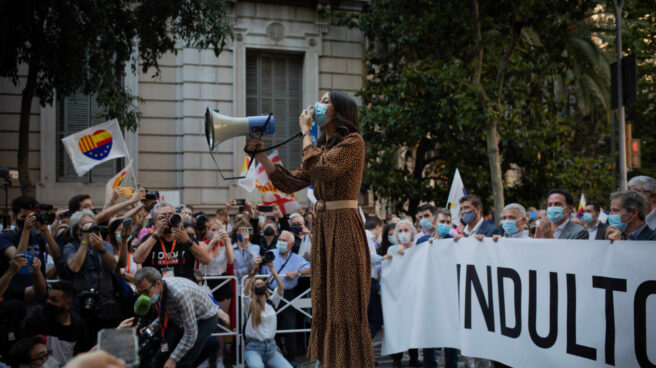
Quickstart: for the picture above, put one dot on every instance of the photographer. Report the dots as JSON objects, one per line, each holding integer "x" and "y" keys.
{"x": 291, "y": 267}
{"x": 169, "y": 248}
{"x": 32, "y": 237}
{"x": 260, "y": 323}
{"x": 90, "y": 262}
{"x": 182, "y": 303}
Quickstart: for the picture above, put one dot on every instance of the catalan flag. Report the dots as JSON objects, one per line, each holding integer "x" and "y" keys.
{"x": 95, "y": 145}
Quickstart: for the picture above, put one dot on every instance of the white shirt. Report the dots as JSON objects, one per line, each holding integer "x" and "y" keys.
{"x": 267, "y": 329}
{"x": 218, "y": 265}
{"x": 475, "y": 229}
{"x": 559, "y": 229}
{"x": 373, "y": 255}
{"x": 518, "y": 235}
{"x": 591, "y": 230}
{"x": 650, "y": 219}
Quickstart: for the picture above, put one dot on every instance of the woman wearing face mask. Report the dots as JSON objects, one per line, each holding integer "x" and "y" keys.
{"x": 261, "y": 321}
{"x": 269, "y": 237}
{"x": 388, "y": 239}
{"x": 340, "y": 334}
{"x": 404, "y": 236}
{"x": 221, "y": 262}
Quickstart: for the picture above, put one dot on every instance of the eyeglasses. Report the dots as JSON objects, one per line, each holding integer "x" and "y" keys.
{"x": 245, "y": 230}
{"x": 145, "y": 291}
{"x": 41, "y": 357}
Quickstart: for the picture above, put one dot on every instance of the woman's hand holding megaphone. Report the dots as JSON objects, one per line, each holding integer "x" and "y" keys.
{"x": 305, "y": 120}
{"x": 261, "y": 157}
{"x": 254, "y": 144}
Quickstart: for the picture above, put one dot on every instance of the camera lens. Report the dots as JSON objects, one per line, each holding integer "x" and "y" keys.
{"x": 175, "y": 220}
{"x": 269, "y": 257}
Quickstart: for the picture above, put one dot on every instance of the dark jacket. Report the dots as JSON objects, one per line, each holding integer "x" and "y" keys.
{"x": 601, "y": 231}
{"x": 646, "y": 234}
{"x": 488, "y": 230}
{"x": 574, "y": 231}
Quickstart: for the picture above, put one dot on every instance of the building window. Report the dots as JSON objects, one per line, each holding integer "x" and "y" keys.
{"x": 273, "y": 84}
{"x": 76, "y": 113}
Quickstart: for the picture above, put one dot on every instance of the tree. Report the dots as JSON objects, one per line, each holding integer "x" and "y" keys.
{"x": 453, "y": 83}
{"x": 70, "y": 45}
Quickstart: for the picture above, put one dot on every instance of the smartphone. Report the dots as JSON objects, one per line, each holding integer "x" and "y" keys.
{"x": 265, "y": 209}
{"x": 121, "y": 343}
{"x": 24, "y": 270}
{"x": 127, "y": 221}
{"x": 238, "y": 202}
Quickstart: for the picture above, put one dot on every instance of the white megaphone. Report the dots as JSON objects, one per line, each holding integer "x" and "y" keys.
{"x": 219, "y": 128}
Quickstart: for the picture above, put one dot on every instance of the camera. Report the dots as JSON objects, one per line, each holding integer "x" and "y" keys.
{"x": 238, "y": 202}
{"x": 150, "y": 340}
{"x": 175, "y": 220}
{"x": 268, "y": 257}
{"x": 152, "y": 195}
{"x": 89, "y": 299}
{"x": 44, "y": 218}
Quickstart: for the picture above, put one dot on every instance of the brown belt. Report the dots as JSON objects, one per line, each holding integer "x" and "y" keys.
{"x": 336, "y": 205}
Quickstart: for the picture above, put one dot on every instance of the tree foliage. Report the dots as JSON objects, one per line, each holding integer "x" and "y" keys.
{"x": 69, "y": 46}
{"x": 435, "y": 84}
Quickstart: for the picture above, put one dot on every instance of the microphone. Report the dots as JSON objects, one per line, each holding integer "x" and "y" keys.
{"x": 141, "y": 307}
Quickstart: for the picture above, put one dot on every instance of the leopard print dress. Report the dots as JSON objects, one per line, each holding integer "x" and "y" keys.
{"x": 340, "y": 265}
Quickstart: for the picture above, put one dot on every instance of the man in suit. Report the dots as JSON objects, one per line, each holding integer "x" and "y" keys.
{"x": 596, "y": 228}
{"x": 627, "y": 217}
{"x": 556, "y": 224}
{"x": 471, "y": 215}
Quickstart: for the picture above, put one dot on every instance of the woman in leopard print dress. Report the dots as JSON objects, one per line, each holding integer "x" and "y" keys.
{"x": 340, "y": 276}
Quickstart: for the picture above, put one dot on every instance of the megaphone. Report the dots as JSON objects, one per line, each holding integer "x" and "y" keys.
{"x": 219, "y": 128}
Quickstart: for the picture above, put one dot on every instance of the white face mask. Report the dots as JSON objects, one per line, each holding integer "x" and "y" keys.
{"x": 405, "y": 238}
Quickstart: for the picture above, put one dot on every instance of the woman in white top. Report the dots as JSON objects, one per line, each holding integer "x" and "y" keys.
{"x": 261, "y": 321}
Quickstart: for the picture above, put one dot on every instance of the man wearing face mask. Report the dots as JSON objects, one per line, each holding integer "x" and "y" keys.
{"x": 596, "y": 228}
{"x": 187, "y": 315}
{"x": 298, "y": 228}
{"x": 471, "y": 215}
{"x": 556, "y": 224}
{"x": 425, "y": 216}
{"x": 647, "y": 186}
{"x": 627, "y": 217}
{"x": 66, "y": 333}
{"x": 513, "y": 222}
{"x": 290, "y": 266}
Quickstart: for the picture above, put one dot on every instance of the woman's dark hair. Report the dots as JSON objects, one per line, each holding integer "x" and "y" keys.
{"x": 346, "y": 118}
{"x": 385, "y": 244}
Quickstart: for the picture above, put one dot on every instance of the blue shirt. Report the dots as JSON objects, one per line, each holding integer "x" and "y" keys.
{"x": 392, "y": 249}
{"x": 244, "y": 258}
{"x": 294, "y": 264}
{"x": 36, "y": 244}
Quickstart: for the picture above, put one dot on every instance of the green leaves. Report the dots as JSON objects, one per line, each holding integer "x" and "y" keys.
{"x": 86, "y": 45}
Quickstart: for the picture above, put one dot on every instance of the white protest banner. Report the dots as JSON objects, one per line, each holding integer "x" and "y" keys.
{"x": 525, "y": 302}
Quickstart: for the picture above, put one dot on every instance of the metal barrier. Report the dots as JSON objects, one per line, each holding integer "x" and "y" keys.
{"x": 297, "y": 303}
{"x": 225, "y": 331}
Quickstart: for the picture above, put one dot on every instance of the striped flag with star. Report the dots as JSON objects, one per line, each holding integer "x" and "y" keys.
{"x": 95, "y": 145}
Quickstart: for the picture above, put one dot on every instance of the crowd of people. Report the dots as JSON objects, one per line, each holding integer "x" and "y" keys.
{"x": 67, "y": 274}
{"x": 631, "y": 216}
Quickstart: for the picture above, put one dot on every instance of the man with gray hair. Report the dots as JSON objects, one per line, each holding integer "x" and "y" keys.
{"x": 627, "y": 217}
{"x": 647, "y": 186}
{"x": 169, "y": 248}
{"x": 513, "y": 222}
{"x": 186, "y": 314}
